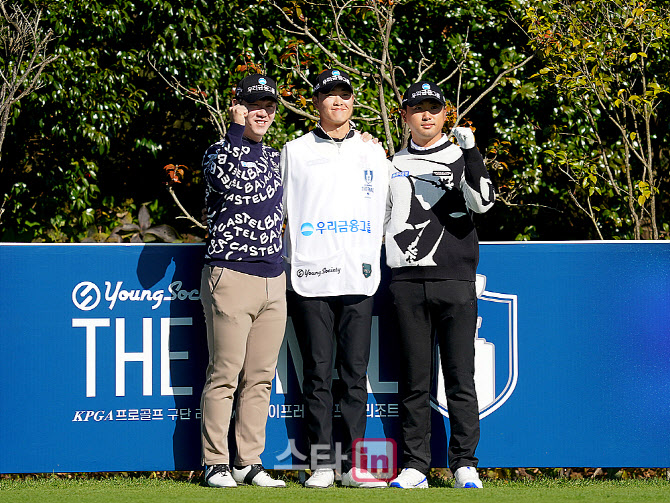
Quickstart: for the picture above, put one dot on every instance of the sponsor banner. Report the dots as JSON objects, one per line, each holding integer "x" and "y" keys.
{"x": 104, "y": 357}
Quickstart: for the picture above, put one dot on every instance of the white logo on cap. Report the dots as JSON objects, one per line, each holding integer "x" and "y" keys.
{"x": 336, "y": 72}
{"x": 426, "y": 92}
{"x": 262, "y": 81}
{"x": 426, "y": 86}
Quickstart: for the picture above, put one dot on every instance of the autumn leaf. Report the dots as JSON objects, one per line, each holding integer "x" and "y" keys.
{"x": 174, "y": 173}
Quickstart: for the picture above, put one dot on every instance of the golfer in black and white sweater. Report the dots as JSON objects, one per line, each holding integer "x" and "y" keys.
{"x": 433, "y": 251}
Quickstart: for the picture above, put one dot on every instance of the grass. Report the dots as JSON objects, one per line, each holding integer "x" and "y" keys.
{"x": 120, "y": 489}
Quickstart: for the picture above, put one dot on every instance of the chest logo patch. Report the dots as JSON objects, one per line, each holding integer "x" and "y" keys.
{"x": 368, "y": 189}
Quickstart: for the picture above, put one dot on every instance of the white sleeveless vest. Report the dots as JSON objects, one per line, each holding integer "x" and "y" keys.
{"x": 334, "y": 198}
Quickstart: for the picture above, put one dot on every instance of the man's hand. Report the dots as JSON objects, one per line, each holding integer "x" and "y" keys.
{"x": 367, "y": 137}
{"x": 465, "y": 137}
{"x": 238, "y": 114}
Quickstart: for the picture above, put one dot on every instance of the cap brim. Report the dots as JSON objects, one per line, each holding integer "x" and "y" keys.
{"x": 254, "y": 97}
{"x": 415, "y": 101}
{"x": 332, "y": 85}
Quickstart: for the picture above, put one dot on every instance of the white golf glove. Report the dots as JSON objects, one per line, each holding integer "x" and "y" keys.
{"x": 465, "y": 137}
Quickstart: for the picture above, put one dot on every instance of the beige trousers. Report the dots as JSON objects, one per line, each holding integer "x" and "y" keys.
{"x": 246, "y": 320}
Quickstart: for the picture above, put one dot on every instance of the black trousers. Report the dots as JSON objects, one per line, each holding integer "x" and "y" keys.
{"x": 447, "y": 311}
{"x": 317, "y": 320}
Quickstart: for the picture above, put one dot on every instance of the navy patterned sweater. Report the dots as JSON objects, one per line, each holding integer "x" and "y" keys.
{"x": 244, "y": 205}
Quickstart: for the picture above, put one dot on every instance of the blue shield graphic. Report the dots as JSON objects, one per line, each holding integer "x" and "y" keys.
{"x": 496, "y": 353}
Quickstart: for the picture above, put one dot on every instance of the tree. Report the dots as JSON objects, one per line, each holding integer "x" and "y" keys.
{"x": 87, "y": 150}
{"x": 598, "y": 56}
{"x": 471, "y": 51}
{"x": 24, "y": 54}
{"x": 91, "y": 143}
{"x": 368, "y": 39}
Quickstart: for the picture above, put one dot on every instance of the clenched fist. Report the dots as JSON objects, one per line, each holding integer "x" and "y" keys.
{"x": 465, "y": 137}
{"x": 238, "y": 114}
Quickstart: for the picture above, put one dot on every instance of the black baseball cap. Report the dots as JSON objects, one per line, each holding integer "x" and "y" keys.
{"x": 328, "y": 79}
{"x": 256, "y": 87}
{"x": 422, "y": 90}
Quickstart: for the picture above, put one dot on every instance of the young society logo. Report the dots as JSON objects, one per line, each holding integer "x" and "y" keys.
{"x": 305, "y": 273}
{"x": 496, "y": 352}
{"x": 86, "y": 295}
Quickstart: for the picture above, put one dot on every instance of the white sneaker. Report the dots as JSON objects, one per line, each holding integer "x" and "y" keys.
{"x": 467, "y": 478}
{"x": 410, "y": 478}
{"x": 219, "y": 476}
{"x": 359, "y": 477}
{"x": 255, "y": 475}
{"x": 321, "y": 478}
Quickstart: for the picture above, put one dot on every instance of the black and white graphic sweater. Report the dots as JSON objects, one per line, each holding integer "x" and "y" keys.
{"x": 432, "y": 194}
{"x": 244, "y": 205}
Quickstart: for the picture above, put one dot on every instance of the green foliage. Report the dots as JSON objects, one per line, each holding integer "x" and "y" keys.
{"x": 105, "y": 122}
{"x": 598, "y": 58}
{"x": 117, "y": 225}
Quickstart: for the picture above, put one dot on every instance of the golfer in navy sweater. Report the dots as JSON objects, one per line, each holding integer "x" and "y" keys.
{"x": 243, "y": 287}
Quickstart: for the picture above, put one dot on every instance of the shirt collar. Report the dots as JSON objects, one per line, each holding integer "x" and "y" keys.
{"x": 319, "y": 131}
{"x": 439, "y": 143}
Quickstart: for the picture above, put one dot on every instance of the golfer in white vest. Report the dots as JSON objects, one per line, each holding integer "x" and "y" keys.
{"x": 335, "y": 187}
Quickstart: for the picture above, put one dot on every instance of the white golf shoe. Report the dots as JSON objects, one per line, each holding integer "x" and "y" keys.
{"x": 410, "y": 478}
{"x": 359, "y": 477}
{"x": 321, "y": 478}
{"x": 467, "y": 478}
{"x": 219, "y": 476}
{"x": 255, "y": 475}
